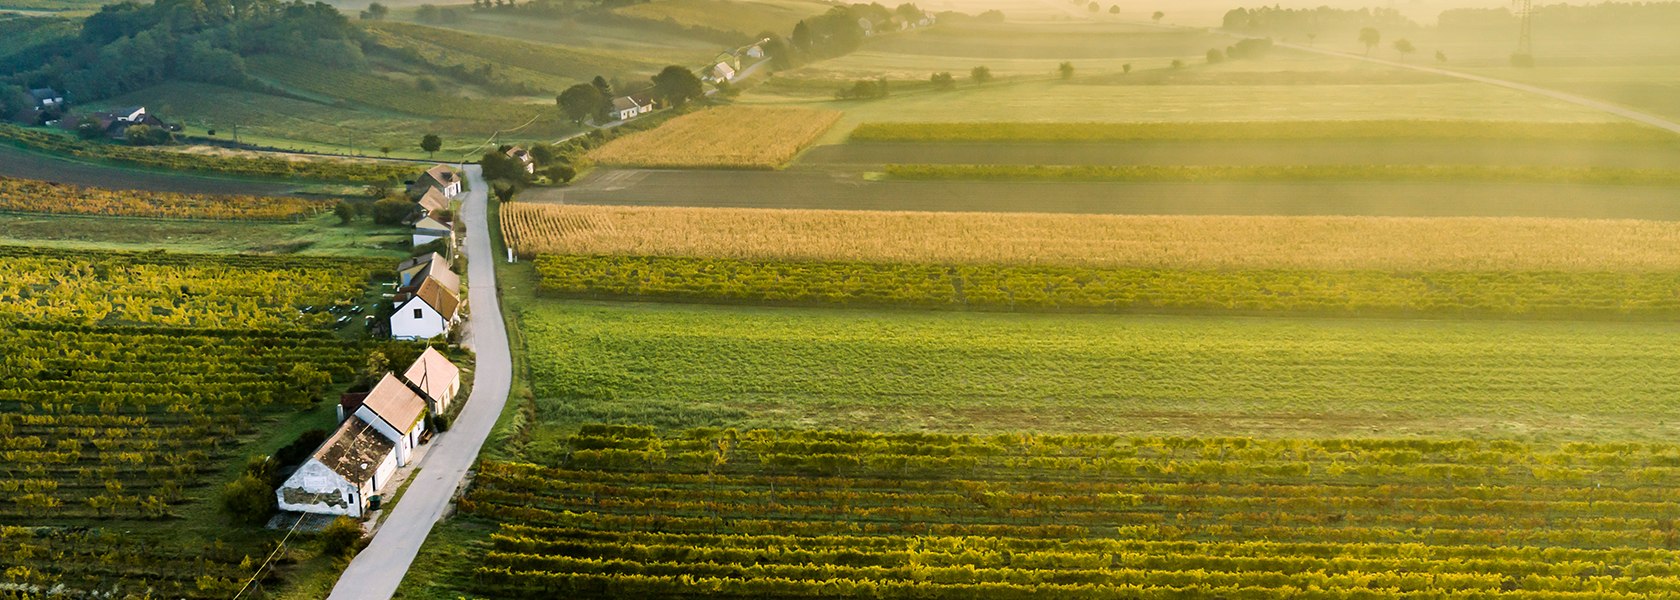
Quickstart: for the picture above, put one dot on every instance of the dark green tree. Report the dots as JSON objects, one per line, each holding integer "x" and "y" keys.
{"x": 980, "y": 74}
{"x": 345, "y": 212}
{"x": 431, "y": 143}
{"x": 1065, "y": 70}
{"x": 392, "y": 211}
{"x": 677, "y": 85}
{"x": 602, "y": 84}
{"x": 580, "y": 102}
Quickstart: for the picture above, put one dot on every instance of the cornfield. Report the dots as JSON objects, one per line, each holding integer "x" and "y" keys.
{"x": 1168, "y": 242}
{"x": 30, "y": 196}
{"x": 731, "y": 137}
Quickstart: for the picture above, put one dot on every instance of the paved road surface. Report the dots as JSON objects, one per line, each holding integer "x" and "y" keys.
{"x": 379, "y": 569}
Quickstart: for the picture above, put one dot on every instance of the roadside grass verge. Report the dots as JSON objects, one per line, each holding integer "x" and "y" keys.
{"x": 1257, "y": 130}
{"x": 1288, "y": 174}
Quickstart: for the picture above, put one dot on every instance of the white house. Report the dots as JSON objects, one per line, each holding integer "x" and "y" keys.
{"x": 438, "y": 379}
{"x": 524, "y": 157}
{"x": 417, "y": 268}
{"x": 722, "y": 72}
{"x": 132, "y": 114}
{"x": 432, "y": 310}
{"x": 433, "y": 201}
{"x": 428, "y": 230}
{"x": 396, "y": 412}
{"x": 625, "y": 108}
{"x": 47, "y": 98}
{"x": 443, "y": 179}
{"x": 343, "y": 473}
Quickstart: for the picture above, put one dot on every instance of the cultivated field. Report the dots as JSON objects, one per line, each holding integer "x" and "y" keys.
{"x": 1271, "y": 131}
{"x": 746, "y": 17}
{"x": 29, "y": 196}
{"x": 134, "y": 383}
{"x": 1168, "y": 242}
{"x": 690, "y": 366}
{"x": 731, "y": 137}
{"x": 770, "y": 513}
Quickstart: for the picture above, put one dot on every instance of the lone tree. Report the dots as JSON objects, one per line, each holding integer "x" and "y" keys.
{"x": 1126, "y": 68}
{"x": 1093, "y": 7}
{"x": 1440, "y": 57}
{"x": 431, "y": 143}
{"x": 677, "y": 85}
{"x": 1114, "y": 9}
{"x": 375, "y": 12}
{"x": 580, "y": 101}
{"x": 943, "y": 80}
{"x": 980, "y": 74}
{"x": 1370, "y": 37}
{"x": 1066, "y": 70}
{"x": 1404, "y": 47}
{"x": 1158, "y": 16}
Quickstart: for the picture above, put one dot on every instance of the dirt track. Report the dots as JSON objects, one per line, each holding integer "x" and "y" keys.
{"x": 30, "y": 165}
{"x": 811, "y": 188}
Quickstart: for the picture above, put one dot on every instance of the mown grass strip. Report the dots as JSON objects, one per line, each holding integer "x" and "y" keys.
{"x": 1288, "y": 174}
{"x": 1268, "y": 130}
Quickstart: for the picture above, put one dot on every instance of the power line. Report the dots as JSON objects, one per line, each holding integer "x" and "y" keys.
{"x": 271, "y": 556}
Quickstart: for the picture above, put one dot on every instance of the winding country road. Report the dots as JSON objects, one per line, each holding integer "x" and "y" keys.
{"x": 379, "y": 569}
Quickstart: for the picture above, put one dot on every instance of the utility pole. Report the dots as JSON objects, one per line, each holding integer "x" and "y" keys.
{"x": 1524, "y": 57}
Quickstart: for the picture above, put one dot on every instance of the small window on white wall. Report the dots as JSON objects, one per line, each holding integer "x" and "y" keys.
{"x": 417, "y": 314}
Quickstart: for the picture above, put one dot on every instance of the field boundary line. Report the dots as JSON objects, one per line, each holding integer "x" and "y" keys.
{"x": 1599, "y": 105}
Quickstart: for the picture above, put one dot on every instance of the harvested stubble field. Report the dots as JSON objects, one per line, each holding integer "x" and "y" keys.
{"x": 730, "y": 137}
{"x": 29, "y": 196}
{"x": 1189, "y": 242}
{"x": 1375, "y": 130}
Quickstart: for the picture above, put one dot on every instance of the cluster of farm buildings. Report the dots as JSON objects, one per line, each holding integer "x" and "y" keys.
{"x": 381, "y": 430}
{"x": 378, "y": 432}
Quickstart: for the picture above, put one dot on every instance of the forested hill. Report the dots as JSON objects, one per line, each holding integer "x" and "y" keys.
{"x": 129, "y": 46}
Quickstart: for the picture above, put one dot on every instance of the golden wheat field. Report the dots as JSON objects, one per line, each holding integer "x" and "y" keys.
{"x": 1097, "y": 240}
{"x": 730, "y": 137}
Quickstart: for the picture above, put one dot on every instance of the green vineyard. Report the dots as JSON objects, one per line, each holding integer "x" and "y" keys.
{"x": 999, "y": 287}
{"x": 177, "y": 290}
{"x": 621, "y": 511}
{"x": 129, "y": 382}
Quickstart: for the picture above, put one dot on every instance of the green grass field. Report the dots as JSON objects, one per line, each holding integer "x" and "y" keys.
{"x": 681, "y": 366}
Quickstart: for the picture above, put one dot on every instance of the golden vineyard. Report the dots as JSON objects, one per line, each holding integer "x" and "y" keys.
{"x": 1202, "y": 242}
{"x": 732, "y": 137}
{"x": 30, "y": 196}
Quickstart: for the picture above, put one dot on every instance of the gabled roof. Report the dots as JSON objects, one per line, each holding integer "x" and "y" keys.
{"x": 519, "y": 154}
{"x": 433, "y": 200}
{"x": 432, "y": 373}
{"x": 442, "y": 174}
{"x": 435, "y": 295}
{"x": 623, "y": 103}
{"x": 427, "y": 258}
{"x": 431, "y": 223}
{"x": 44, "y": 94}
{"x": 354, "y": 451}
{"x": 394, "y": 402}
